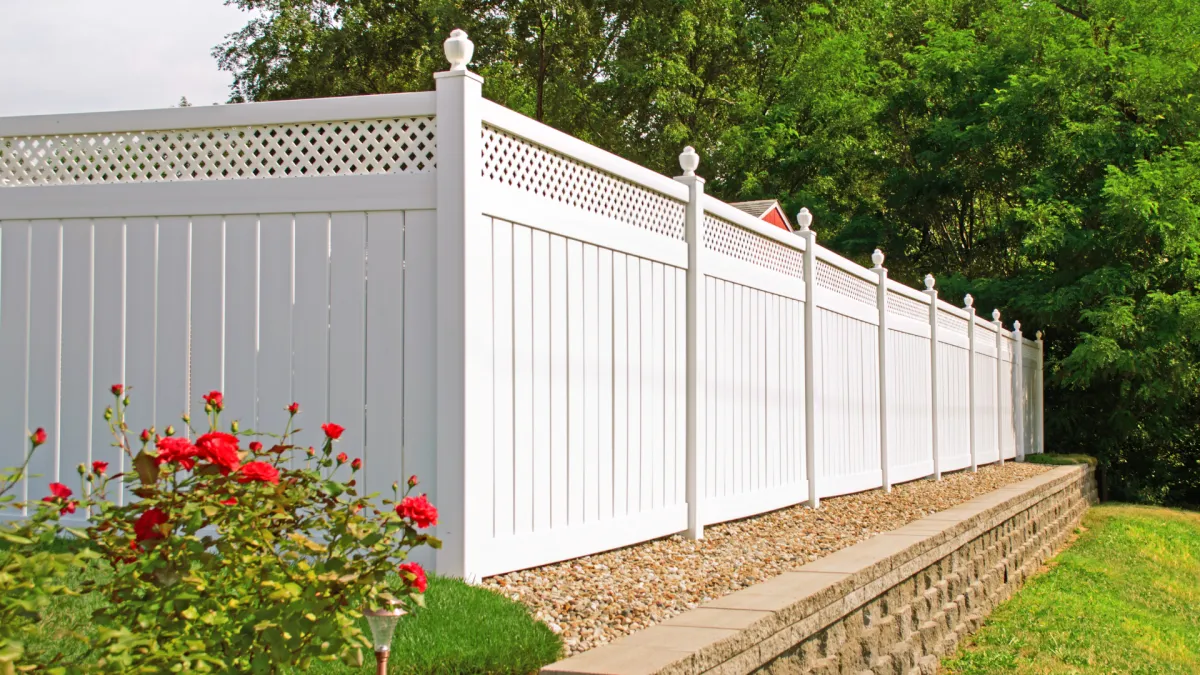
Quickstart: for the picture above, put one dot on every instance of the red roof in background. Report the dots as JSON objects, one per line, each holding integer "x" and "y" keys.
{"x": 766, "y": 210}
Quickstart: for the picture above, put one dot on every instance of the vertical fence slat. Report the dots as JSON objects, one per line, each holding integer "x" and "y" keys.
{"x": 347, "y": 331}
{"x": 14, "y": 336}
{"x": 542, "y": 381}
{"x": 420, "y": 340}
{"x": 502, "y": 331}
{"x": 173, "y": 334}
{"x": 310, "y": 326}
{"x": 591, "y": 390}
{"x": 208, "y": 308}
{"x": 575, "y": 384}
{"x": 523, "y": 411}
{"x": 77, "y": 391}
{"x": 141, "y": 237}
{"x": 274, "y": 379}
{"x": 383, "y": 456}
{"x": 108, "y": 343}
{"x": 620, "y": 372}
{"x": 241, "y": 319}
{"x": 45, "y": 334}
{"x": 605, "y": 383}
{"x": 559, "y": 382}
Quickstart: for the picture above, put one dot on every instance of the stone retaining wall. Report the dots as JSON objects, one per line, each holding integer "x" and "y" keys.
{"x": 893, "y": 604}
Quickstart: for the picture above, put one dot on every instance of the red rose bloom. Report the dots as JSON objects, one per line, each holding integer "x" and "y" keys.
{"x": 38, "y": 437}
{"x": 333, "y": 431}
{"x": 220, "y": 449}
{"x": 99, "y": 467}
{"x": 418, "y": 580}
{"x": 59, "y": 491}
{"x": 147, "y": 524}
{"x": 117, "y": 389}
{"x": 177, "y": 451}
{"x": 356, "y": 464}
{"x": 215, "y": 399}
{"x": 255, "y": 446}
{"x": 232, "y": 501}
{"x": 258, "y": 472}
{"x": 69, "y": 507}
{"x": 418, "y": 510}
{"x": 342, "y": 457}
{"x": 293, "y": 408}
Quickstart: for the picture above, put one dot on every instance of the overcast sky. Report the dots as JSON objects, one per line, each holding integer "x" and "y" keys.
{"x": 63, "y": 56}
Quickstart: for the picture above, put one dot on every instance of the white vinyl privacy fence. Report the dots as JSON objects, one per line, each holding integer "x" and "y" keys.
{"x": 573, "y": 352}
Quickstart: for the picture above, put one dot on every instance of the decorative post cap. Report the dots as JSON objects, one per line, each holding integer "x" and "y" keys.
{"x": 995, "y": 315}
{"x": 688, "y": 161}
{"x": 877, "y": 258}
{"x": 1017, "y": 326}
{"x": 1039, "y": 335}
{"x": 804, "y": 219}
{"x": 459, "y": 49}
{"x": 929, "y": 281}
{"x": 968, "y": 301}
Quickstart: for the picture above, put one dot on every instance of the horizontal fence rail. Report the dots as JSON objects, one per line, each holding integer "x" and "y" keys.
{"x": 573, "y": 352}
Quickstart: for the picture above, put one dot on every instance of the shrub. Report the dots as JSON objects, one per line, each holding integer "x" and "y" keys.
{"x": 242, "y": 559}
{"x": 30, "y": 573}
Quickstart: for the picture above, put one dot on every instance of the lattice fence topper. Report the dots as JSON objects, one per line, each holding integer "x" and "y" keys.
{"x": 520, "y": 164}
{"x": 396, "y": 145}
{"x": 844, "y": 283}
{"x": 902, "y": 305}
{"x": 724, "y": 237}
{"x": 952, "y": 322}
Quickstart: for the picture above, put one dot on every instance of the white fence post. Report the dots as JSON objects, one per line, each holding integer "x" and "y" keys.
{"x": 694, "y": 232}
{"x": 969, "y": 305}
{"x": 464, "y": 314}
{"x": 933, "y": 369}
{"x": 804, "y": 221}
{"x": 1019, "y": 388}
{"x": 881, "y": 301}
{"x": 999, "y": 388}
{"x": 1039, "y": 382}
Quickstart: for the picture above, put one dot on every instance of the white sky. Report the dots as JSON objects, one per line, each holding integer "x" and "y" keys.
{"x": 60, "y": 56}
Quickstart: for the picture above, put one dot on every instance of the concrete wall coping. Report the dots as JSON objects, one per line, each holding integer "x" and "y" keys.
{"x": 738, "y": 626}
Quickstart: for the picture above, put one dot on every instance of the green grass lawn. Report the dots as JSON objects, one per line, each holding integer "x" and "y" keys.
{"x": 1058, "y": 460}
{"x": 1124, "y": 598}
{"x": 463, "y": 629}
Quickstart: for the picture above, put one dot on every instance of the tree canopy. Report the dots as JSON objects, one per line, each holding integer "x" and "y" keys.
{"x": 1044, "y": 156}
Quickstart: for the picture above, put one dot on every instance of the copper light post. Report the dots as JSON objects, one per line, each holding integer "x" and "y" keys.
{"x": 382, "y": 623}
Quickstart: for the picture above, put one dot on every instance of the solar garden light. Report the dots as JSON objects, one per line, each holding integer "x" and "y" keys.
{"x": 382, "y": 623}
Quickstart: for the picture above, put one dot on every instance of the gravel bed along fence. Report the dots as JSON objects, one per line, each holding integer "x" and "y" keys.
{"x": 598, "y": 598}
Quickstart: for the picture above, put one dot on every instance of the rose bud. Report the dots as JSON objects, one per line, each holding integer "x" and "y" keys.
{"x": 170, "y": 430}
{"x": 38, "y": 437}
{"x": 117, "y": 389}
{"x": 293, "y": 408}
{"x": 412, "y": 481}
{"x": 356, "y": 464}
{"x": 145, "y": 435}
{"x": 342, "y": 457}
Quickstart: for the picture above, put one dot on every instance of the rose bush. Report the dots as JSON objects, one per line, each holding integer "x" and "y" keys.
{"x": 242, "y": 558}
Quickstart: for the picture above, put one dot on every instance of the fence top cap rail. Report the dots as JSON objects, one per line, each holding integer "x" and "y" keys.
{"x": 911, "y": 293}
{"x": 846, "y": 265}
{"x": 378, "y": 106}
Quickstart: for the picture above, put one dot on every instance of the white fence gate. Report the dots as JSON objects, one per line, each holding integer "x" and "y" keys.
{"x": 573, "y": 352}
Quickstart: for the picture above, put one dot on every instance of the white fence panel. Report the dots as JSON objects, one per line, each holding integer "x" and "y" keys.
{"x": 910, "y": 402}
{"x": 586, "y": 446}
{"x": 986, "y": 405}
{"x": 1008, "y": 395}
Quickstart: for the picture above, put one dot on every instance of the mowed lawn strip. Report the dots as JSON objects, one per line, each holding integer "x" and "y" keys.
{"x": 1123, "y": 598}
{"x": 463, "y": 629}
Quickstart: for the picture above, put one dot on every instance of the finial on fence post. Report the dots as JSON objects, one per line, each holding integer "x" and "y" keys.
{"x": 1039, "y": 335}
{"x": 804, "y": 219}
{"x": 929, "y": 281}
{"x": 996, "y": 315}
{"x": 877, "y": 258}
{"x": 1017, "y": 326}
{"x": 459, "y": 49}
{"x": 968, "y": 301}
{"x": 688, "y": 161}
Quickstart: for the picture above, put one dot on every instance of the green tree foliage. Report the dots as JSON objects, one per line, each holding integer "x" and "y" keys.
{"x": 1041, "y": 155}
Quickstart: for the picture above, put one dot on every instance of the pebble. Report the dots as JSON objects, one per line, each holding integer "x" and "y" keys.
{"x": 596, "y": 599}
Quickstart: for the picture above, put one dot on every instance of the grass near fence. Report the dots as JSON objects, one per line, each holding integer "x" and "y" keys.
{"x": 463, "y": 630}
{"x": 1124, "y": 598}
{"x": 1059, "y": 460}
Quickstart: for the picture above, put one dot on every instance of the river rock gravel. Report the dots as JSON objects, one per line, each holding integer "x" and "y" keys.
{"x": 599, "y": 598}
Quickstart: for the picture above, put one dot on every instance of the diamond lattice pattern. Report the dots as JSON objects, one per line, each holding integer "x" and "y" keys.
{"x": 952, "y": 322}
{"x": 397, "y": 145}
{"x": 520, "y": 164}
{"x": 902, "y": 305}
{"x": 724, "y": 237}
{"x": 844, "y": 283}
